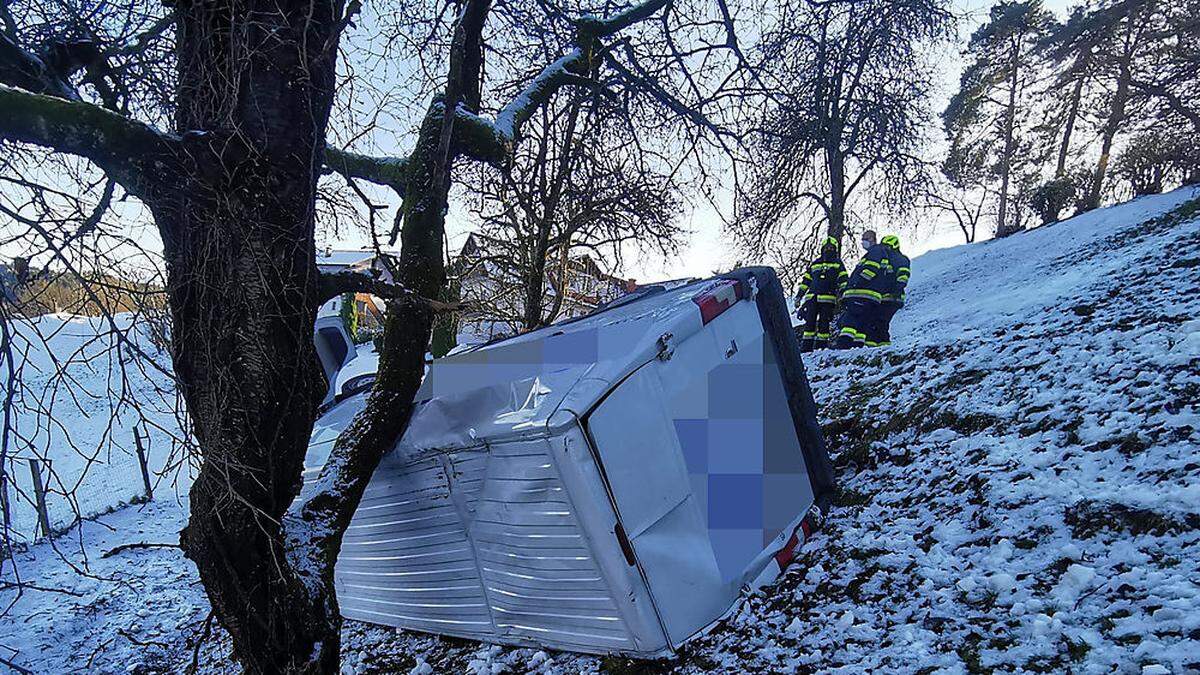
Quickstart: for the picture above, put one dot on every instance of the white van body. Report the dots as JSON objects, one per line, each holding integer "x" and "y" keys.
{"x": 335, "y": 349}
{"x": 611, "y": 484}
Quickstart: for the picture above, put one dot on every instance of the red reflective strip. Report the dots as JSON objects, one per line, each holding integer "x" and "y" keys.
{"x": 785, "y": 555}
{"x": 718, "y": 298}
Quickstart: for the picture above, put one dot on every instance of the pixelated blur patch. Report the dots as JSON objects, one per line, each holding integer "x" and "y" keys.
{"x": 781, "y": 491}
{"x": 735, "y": 501}
{"x": 693, "y": 440}
{"x": 744, "y": 460}
{"x": 735, "y": 446}
{"x": 573, "y": 347}
{"x": 734, "y": 549}
{"x": 735, "y": 391}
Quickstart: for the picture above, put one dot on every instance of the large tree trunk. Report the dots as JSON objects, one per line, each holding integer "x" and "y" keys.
{"x": 535, "y": 276}
{"x": 317, "y": 524}
{"x": 835, "y": 164}
{"x": 1116, "y": 116}
{"x": 535, "y": 279}
{"x": 1003, "y": 228}
{"x": 237, "y": 230}
{"x": 1069, "y": 128}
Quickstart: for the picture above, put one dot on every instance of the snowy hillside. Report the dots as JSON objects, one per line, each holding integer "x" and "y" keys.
{"x": 1019, "y": 470}
{"x": 1020, "y": 492}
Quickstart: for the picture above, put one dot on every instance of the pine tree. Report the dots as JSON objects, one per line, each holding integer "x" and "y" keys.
{"x": 983, "y": 117}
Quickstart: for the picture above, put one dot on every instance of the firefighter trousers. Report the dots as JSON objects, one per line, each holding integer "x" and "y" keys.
{"x": 881, "y": 333}
{"x": 858, "y": 323}
{"x": 817, "y": 317}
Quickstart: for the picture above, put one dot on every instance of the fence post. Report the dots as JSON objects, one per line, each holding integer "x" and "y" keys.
{"x": 40, "y": 493}
{"x": 4, "y": 516}
{"x": 141, "y": 454}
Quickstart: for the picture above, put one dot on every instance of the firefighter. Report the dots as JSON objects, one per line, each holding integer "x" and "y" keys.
{"x": 821, "y": 291}
{"x": 893, "y": 298}
{"x": 860, "y": 301}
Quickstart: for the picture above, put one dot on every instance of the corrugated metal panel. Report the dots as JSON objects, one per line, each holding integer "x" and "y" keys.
{"x": 482, "y": 544}
{"x": 541, "y": 579}
{"x": 406, "y": 558}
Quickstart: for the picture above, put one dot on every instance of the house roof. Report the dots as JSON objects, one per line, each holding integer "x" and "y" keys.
{"x": 345, "y": 258}
{"x": 478, "y": 245}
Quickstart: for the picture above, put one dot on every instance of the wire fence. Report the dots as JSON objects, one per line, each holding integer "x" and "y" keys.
{"x": 91, "y": 423}
{"x": 38, "y": 498}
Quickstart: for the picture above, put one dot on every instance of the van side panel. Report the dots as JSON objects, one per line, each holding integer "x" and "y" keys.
{"x": 488, "y": 543}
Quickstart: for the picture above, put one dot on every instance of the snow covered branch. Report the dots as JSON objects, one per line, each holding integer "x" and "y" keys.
{"x": 492, "y": 140}
{"x": 128, "y": 150}
{"x": 333, "y": 285}
{"x": 595, "y": 28}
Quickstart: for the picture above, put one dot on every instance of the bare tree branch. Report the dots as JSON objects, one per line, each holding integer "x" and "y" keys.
{"x": 129, "y": 151}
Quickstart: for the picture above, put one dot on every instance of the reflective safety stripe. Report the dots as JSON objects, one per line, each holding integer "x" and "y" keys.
{"x": 826, "y": 298}
{"x": 903, "y": 270}
{"x": 826, "y": 266}
{"x": 810, "y": 333}
{"x": 870, "y": 263}
{"x": 843, "y": 273}
{"x": 902, "y": 278}
{"x": 823, "y": 336}
{"x": 868, "y": 274}
{"x": 863, "y": 293}
{"x": 849, "y": 333}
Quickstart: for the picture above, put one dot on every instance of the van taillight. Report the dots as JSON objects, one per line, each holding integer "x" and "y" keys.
{"x": 718, "y": 298}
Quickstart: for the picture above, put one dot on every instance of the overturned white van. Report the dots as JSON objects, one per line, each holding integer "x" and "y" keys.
{"x": 608, "y": 484}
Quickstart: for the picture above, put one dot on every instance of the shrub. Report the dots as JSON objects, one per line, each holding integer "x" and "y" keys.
{"x": 1050, "y": 198}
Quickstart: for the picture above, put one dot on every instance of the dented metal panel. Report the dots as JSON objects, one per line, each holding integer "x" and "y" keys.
{"x": 483, "y": 543}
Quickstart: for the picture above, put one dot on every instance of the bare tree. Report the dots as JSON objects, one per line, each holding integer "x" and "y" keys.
{"x": 845, "y": 92}
{"x": 233, "y": 191}
{"x": 583, "y": 183}
{"x": 965, "y": 206}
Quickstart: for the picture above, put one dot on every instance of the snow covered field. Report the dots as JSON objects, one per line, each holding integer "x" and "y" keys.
{"x": 1020, "y": 493}
{"x": 84, "y": 390}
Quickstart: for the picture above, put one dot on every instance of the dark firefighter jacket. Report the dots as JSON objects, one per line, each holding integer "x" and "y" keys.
{"x": 899, "y": 278}
{"x": 825, "y": 279}
{"x": 874, "y": 277}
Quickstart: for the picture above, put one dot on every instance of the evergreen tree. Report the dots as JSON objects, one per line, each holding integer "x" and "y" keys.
{"x": 1070, "y": 50}
{"x": 1122, "y": 34}
{"x": 984, "y": 116}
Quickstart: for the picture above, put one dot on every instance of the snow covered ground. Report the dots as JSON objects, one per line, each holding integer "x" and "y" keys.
{"x": 1020, "y": 493}
{"x": 84, "y": 389}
